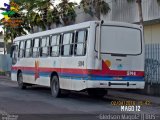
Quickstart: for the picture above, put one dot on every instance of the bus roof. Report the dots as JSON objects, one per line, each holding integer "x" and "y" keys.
{"x": 72, "y": 27}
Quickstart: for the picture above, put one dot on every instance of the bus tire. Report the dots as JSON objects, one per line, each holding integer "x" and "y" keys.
{"x": 97, "y": 93}
{"x": 55, "y": 88}
{"x": 21, "y": 84}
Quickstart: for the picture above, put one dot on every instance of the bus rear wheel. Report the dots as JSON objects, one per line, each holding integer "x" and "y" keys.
{"x": 55, "y": 88}
{"x": 21, "y": 84}
{"x": 97, "y": 93}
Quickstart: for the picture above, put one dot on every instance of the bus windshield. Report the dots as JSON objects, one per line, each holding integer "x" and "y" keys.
{"x": 121, "y": 40}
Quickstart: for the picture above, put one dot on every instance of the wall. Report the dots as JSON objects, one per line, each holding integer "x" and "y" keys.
{"x": 152, "y": 33}
{"x": 5, "y": 63}
{"x": 121, "y": 10}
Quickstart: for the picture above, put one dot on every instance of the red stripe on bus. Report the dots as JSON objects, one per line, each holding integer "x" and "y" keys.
{"x": 104, "y": 72}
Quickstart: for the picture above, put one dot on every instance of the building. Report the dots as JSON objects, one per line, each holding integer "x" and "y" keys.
{"x": 1, "y": 43}
{"x": 124, "y": 11}
{"x": 121, "y": 10}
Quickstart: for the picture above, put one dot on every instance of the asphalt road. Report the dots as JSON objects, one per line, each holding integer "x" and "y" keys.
{"x": 37, "y": 103}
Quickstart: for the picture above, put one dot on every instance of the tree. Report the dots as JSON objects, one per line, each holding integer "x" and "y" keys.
{"x": 38, "y": 13}
{"x": 95, "y": 7}
{"x": 11, "y": 31}
{"x": 41, "y": 13}
{"x": 66, "y": 12}
{"x": 158, "y": 1}
{"x": 32, "y": 13}
{"x": 46, "y": 10}
{"x": 33, "y": 19}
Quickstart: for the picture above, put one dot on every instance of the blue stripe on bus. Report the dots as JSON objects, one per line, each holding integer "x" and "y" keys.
{"x": 86, "y": 77}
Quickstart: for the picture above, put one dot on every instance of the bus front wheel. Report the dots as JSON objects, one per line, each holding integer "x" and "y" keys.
{"x": 20, "y": 81}
{"x": 55, "y": 88}
{"x": 97, "y": 93}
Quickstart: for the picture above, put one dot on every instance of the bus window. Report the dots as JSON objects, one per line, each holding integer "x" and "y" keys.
{"x": 21, "y": 49}
{"x": 17, "y": 43}
{"x": 28, "y": 50}
{"x": 14, "y": 53}
{"x": 67, "y": 44}
{"x": 45, "y": 46}
{"x": 35, "y": 48}
{"x": 55, "y": 42}
{"x": 80, "y": 43}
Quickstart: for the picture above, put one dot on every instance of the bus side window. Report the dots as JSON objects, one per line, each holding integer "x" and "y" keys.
{"x": 28, "y": 49}
{"x": 44, "y": 47}
{"x": 67, "y": 44}
{"x": 80, "y": 43}
{"x": 21, "y": 50}
{"x": 14, "y": 52}
{"x": 17, "y": 43}
{"x": 35, "y": 48}
{"x": 55, "y": 45}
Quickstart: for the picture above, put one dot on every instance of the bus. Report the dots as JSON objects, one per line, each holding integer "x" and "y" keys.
{"x": 93, "y": 56}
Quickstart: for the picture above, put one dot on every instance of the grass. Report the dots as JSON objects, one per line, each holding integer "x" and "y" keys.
{"x": 2, "y": 73}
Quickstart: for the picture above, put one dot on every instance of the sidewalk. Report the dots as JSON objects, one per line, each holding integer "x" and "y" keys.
{"x": 5, "y": 77}
{"x": 136, "y": 96}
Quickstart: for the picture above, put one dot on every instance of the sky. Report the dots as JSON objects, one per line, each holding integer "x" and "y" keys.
{"x": 7, "y": 1}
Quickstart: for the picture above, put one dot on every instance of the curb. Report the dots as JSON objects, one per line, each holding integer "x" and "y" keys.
{"x": 5, "y": 78}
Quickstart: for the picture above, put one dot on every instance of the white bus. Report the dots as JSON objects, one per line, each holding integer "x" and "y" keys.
{"x": 92, "y": 56}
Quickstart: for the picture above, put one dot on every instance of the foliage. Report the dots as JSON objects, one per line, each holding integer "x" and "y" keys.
{"x": 95, "y": 7}
{"x": 2, "y": 73}
{"x": 158, "y": 1}
{"x": 39, "y": 13}
{"x": 10, "y": 32}
{"x": 66, "y": 11}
